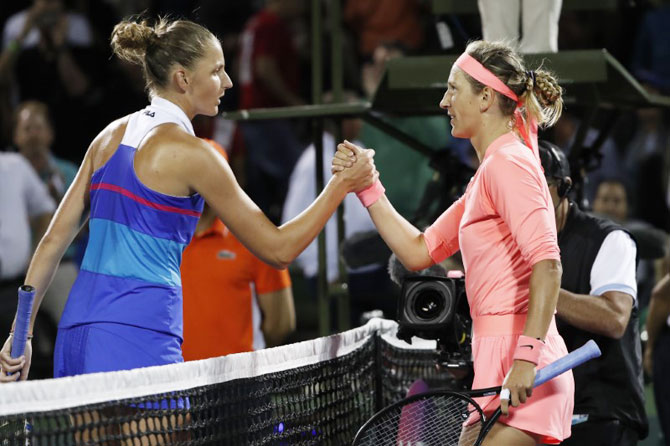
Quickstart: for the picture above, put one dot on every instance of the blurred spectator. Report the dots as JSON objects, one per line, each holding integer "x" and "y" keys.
{"x": 375, "y": 22}
{"x": 269, "y": 77}
{"x": 611, "y": 200}
{"x": 43, "y": 20}
{"x": 539, "y": 23}
{"x": 269, "y": 68}
{"x": 33, "y": 136}
{"x": 48, "y": 55}
{"x": 233, "y": 302}
{"x": 25, "y": 212}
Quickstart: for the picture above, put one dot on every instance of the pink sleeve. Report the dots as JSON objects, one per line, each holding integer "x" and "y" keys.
{"x": 519, "y": 194}
{"x": 442, "y": 236}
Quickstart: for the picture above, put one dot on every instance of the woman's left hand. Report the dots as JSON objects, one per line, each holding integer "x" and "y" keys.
{"x": 519, "y": 381}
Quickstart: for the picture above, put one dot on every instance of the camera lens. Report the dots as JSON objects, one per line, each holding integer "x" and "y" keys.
{"x": 428, "y": 304}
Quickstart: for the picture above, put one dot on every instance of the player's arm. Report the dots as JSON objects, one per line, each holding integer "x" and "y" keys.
{"x": 406, "y": 241}
{"x": 278, "y": 315}
{"x": 207, "y": 172}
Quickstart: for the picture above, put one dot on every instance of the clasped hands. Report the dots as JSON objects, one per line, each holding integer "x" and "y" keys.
{"x": 355, "y": 166}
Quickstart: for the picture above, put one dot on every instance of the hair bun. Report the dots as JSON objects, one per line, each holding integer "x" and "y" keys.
{"x": 130, "y": 40}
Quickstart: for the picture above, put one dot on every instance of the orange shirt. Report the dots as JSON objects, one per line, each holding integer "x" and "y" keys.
{"x": 220, "y": 279}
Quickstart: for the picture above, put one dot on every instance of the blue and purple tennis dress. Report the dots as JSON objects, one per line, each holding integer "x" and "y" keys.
{"x": 125, "y": 308}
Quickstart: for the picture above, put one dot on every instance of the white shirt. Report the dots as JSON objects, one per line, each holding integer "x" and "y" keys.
{"x": 614, "y": 266}
{"x": 302, "y": 192}
{"x": 22, "y": 197}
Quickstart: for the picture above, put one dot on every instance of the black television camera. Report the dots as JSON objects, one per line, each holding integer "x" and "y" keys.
{"x": 433, "y": 305}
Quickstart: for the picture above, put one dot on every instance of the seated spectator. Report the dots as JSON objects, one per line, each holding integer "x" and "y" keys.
{"x": 233, "y": 302}
{"x": 33, "y": 137}
{"x": 25, "y": 212}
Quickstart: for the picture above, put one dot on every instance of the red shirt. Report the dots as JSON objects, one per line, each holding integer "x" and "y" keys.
{"x": 266, "y": 34}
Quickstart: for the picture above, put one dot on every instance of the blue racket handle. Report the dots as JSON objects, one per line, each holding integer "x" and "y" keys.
{"x": 587, "y": 351}
{"x": 26, "y": 298}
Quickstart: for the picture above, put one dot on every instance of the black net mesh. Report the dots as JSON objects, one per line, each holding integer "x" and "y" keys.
{"x": 317, "y": 404}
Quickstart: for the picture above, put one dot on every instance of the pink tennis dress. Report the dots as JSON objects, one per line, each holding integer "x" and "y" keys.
{"x": 503, "y": 225}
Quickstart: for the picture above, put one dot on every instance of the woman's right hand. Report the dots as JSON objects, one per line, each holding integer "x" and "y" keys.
{"x": 355, "y": 166}
{"x": 17, "y": 367}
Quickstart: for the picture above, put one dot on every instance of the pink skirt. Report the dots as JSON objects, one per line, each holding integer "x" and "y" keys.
{"x": 547, "y": 414}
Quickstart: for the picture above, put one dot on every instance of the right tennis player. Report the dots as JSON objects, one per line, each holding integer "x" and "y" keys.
{"x": 505, "y": 229}
{"x": 145, "y": 178}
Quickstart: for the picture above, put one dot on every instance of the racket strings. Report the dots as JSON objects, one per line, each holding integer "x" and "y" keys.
{"x": 437, "y": 420}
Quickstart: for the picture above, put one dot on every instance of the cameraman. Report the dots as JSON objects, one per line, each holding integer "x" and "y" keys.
{"x": 598, "y": 299}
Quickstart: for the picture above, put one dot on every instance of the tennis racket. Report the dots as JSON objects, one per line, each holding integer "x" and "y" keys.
{"x": 447, "y": 418}
{"x": 24, "y": 309}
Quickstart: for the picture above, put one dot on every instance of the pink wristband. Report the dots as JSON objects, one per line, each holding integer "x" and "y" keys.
{"x": 371, "y": 194}
{"x": 528, "y": 349}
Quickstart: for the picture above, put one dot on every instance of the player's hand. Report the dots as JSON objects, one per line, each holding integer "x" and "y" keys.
{"x": 357, "y": 168}
{"x": 519, "y": 381}
{"x": 17, "y": 368}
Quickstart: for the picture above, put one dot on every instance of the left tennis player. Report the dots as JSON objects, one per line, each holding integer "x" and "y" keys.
{"x": 145, "y": 178}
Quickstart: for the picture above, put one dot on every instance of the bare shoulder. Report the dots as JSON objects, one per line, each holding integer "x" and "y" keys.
{"x": 184, "y": 148}
{"x": 105, "y": 144}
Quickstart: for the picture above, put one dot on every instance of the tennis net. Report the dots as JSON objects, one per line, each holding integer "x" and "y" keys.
{"x": 316, "y": 392}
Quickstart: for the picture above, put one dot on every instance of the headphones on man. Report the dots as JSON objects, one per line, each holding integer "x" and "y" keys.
{"x": 556, "y": 166}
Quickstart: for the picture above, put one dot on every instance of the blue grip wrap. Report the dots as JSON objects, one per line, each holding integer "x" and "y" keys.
{"x": 587, "y": 351}
{"x": 24, "y": 309}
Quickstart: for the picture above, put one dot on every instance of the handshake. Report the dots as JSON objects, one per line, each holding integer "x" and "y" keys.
{"x": 356, "y": 168}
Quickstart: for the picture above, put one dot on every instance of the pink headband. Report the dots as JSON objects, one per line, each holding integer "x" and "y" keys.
{"x": 477, "y": 71}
